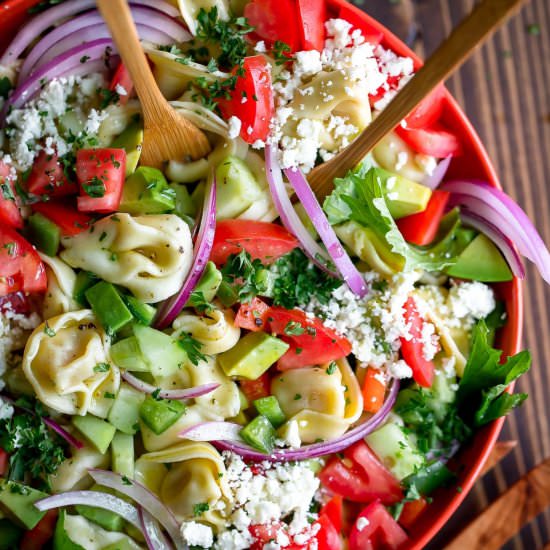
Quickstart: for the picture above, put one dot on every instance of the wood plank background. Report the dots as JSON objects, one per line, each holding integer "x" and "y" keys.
{"x": 505, "y": 91}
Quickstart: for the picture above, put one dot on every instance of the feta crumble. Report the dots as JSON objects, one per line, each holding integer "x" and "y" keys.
{"x": 197, "y": 534}
{"x": 361, "y": 523}
{"x": 235, "y": 125}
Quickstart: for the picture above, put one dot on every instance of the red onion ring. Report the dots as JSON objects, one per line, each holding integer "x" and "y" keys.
{"x": 97, "y": 499}
{"x": 188, "y": 393}
{"x": 436, "y": 178}
{"x": 503, "y": 243}
{"x": 171, "y": 308}
{"x": 351, "y": 275}
{"x": 146, "y": 499}
{"x": 69, "y": 438}
{"x": 50, "y": 17}
{"x": 201, "y": 431}
{"x": 288, "y": 215}
{"x": 154, "y": 537}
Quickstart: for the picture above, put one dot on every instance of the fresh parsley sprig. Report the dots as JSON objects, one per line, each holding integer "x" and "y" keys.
{"x": 192, "y": 348}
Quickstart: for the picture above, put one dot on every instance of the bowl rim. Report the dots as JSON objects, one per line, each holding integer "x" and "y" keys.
{"x": 13, "y": 11}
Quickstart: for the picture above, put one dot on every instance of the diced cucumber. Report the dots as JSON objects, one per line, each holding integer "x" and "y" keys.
{"x": 143, "y": 313}
{"x": 44, "y": 234}
{"x": 270, "y": 408}
{"x": 124, "y": 414}
{"x": 122, "y": 454}
{"x": 62, "y": 541}
{"x": 162, "y": 353}
{"x": 396, "y": 450}
{"x": 108, "y": 306}
{"x": 131, "y": 141}
{"x": 19, "y": 499}
{"x": 127, "y": 355}
{"x": 159, "y": 415}
{"x": 104, "y": 518}
{"x": 260, "y": 434}
{"x": 84, "y": 281}
{"x": 97, "y": 432}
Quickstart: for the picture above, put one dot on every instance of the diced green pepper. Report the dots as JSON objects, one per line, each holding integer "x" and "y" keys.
{"x": 108, "y": 306}
{"x": 270, "y": 408}
{"x": 84, "y": 281}
{"x": 260, "y": 434}
{"x": 44, "y": 234}
{"x": 159, "y": 415}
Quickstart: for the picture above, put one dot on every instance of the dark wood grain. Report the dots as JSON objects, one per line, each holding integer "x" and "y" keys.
{"x": 505, "y": 91}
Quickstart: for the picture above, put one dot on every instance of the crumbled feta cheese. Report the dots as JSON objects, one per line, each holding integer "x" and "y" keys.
{"x": 361, "y": 523}
{"x": 235, "y": 125}
{"x": 472, "y": 300}
{"x": 308, "y": 63}
{"x": 121, "y": 90}
{"x": 6, "y": 409}
{"x": 399, "y": 369}
{"x": 402, "y": 159}
{"x": 197, "y": 534}
{"x": 260, "y": 47}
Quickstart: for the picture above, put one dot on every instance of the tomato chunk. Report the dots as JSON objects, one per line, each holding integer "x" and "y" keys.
{"x": 374, "y": 390}
{"x": 20, "y": 266}
{"x": 252, "y": 316}
{"x": 122, "y": 79}
{"x": 100, "y": 174}
{"x": 422, "y": 228}
{"x": 413, "y": 350}
{"x": 256, "y": 389}
{"x": 328, "y": 536}
{"x": 312, "y": 15}
{"x": 428, "y": 111}
{"x": 67, "y": 218}
{"x": 311, "y": 342}
{"x": 334, "y": 510}
{"x": 9, "y": 204}
{"x": 262, "y": 240}
{"x": 375, "y": 529}
{"x": 36, "y": 538}
{"x": 412, "y": 511}
{"x": 434, "y": 140}
{"x": 251, "y": 100}
{"x": 48, "y": 177}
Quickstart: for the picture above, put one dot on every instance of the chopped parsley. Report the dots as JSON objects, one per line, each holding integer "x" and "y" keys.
{"x": 156, "y": 395}
{"x": 282, "y": 53}
{"x": 192, "y": 348}
{"x": 108, "y": 97}
{"x": 199, "y": 302}
{"x": 102, "y": 367}
{"x": 249, "y": 277}
{"x": 293, "y": 328}
{"x": 10, "y": 247}
{"x": 332, "y": 368}
{"x": 126, "y": 481}
{"x": 94, "y": 187}
{"x": 200, "y": 508}
{"x": 48, "y": 330}
{"x": 6, "y": 190}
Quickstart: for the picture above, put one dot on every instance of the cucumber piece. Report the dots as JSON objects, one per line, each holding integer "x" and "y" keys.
{"x": 260, "y": 434}
{"x": 270, "y": 408}
{"x": 84, "y": 281}
{"x": 127, "y": 355}
{"x": 19, "y": 500}
{"x": 108, "y": 306}
{"x": 122, "y": 454}
{"x": 124, "y": 414}
{"x": 131, "y": 141}
{"x": 159, "y": 415}
{"x": 44, "y": 234}
{"x": 161, "y": 352}
{"x": 104, "y": 518}
{"x": 143, "y": 313}
{"x": 395, "y": 450}
{"x": 97, "y": 432}
{"x": 61, "y": 540}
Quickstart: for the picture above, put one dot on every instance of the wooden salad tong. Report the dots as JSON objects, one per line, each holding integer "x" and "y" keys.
{"x": 167, "y": 134}
{"x": 485, "y": 18}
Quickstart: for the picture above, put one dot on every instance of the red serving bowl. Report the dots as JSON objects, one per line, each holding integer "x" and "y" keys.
{"x": 474, "y": 163}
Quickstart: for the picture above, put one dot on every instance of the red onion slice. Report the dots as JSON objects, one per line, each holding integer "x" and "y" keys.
{"x": 69, "y": 438}
{"x": 351, "y": 275}
{"x": 50, "y": 17}
{"x": 288, "y": 215}
{"x": 154, "y": 537}
{"x": 209, "y": 431}
{"x": 146, "y": 499}
{"x": 436, "y": 178}
{"x": 97, "y": 499}
{"x": 188, "y": 393}
{"x": 171, "y": 308}
{"x": 503, "y": 243}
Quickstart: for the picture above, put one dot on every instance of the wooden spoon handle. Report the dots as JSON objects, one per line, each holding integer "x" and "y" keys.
{"x": 118, "y": 17}
{"x": 469, "y": 34}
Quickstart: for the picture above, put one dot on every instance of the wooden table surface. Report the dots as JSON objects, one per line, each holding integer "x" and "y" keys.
{"x": 505, "y": 91}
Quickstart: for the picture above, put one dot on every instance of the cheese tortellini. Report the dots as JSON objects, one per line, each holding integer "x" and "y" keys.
{"x": 149, "y": 255}
{"x": 190, "y": 10}
{"x": 60, "y": 359}
{"x": 59, "y": 295}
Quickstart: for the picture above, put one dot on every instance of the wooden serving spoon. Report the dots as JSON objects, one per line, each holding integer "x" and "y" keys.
{"x": 486, "y": 17}
{"x": 167, "y": 134}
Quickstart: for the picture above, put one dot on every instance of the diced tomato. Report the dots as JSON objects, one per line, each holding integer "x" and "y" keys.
{"x": 311, "y": 342}
{"x": 422, "y": 228}
{"x": 20, "y": 266}
{"x": 252, "y": 99}
{"x": 374, "y": 390}
{"x": 362, "y": 478}
{"x": 67, "y": 218}
{"x": 262, "y": 240}
{"x": 375, "y": 529}
{"x": 4, "y": 462}
{"x": 101, "y": 174}
{"x": 434, "y": 140}
{"x": 411, "y": 512}
{"x": 274, "y": 21}
{"x": 17, "y": 302}
{"x": 266, "y": 533}
{"x": 123, "y": 79}
{"x": 328, "y": 536}
{"x": 36, "y": 538}
{"x": 47, "y": 177}
{"x": 334, "y": 510}
{"x": 312, "y": 15}
{"x": 413, "y": 350}
{"x": 9, "y": 207}
{"x": 354, "y": 16}
{"x": 252, "y": 316}
{"x": 428, "y": 111}
{"x": 256, "y": 389}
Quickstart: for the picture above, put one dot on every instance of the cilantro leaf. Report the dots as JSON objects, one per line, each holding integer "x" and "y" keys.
{"x": 485, "y": 379}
